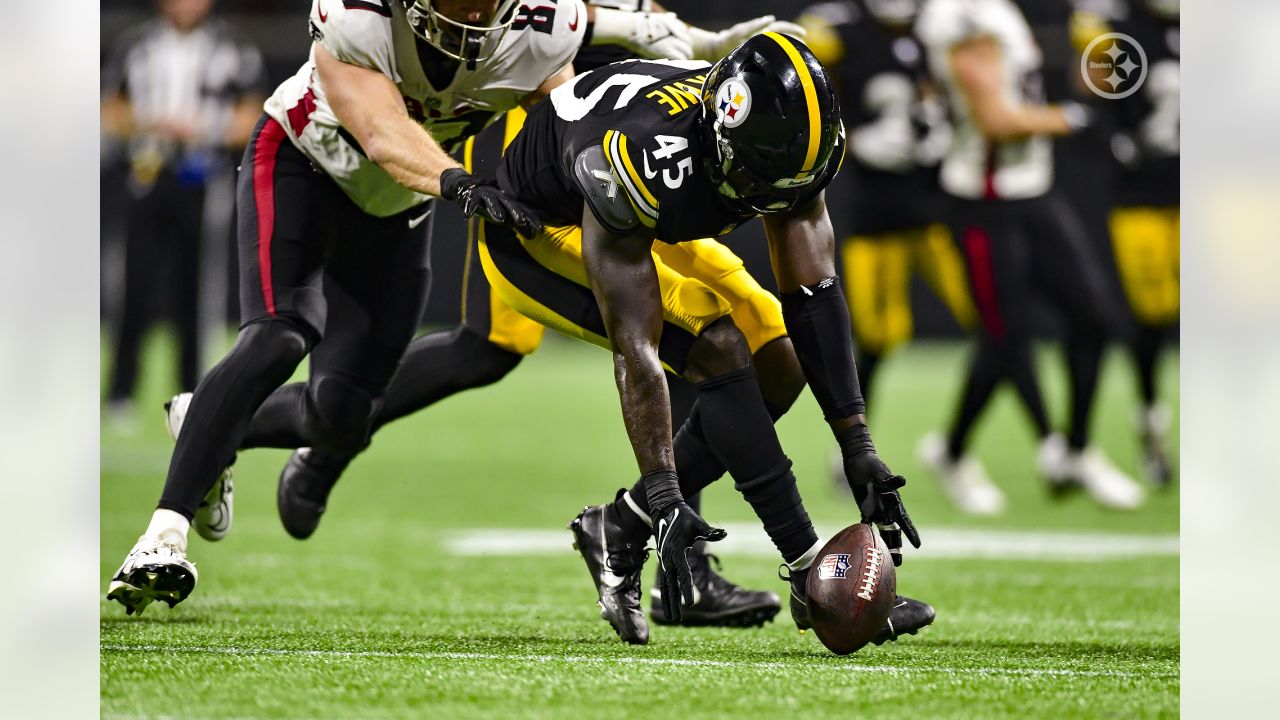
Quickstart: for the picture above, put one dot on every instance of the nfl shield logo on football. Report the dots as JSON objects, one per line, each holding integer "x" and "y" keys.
{"x": 834, "y": 567}
{"x": 733, "y": 102}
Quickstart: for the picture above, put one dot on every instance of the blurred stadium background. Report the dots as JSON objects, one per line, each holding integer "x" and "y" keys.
{"x": 388, "y": 610}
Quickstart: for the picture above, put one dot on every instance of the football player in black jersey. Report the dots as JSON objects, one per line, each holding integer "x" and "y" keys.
{"x": 673, "y": 152}
{"x": 1145, "y": 219}
{"x": 493, "y": 338}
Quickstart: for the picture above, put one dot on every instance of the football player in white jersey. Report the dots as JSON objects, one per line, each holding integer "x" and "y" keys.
{"x": 334, "y": 254}
{"x": 1018, "y": 239}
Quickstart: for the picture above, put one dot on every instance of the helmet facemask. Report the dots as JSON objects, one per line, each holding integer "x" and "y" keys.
{"x": 456, "y": 39}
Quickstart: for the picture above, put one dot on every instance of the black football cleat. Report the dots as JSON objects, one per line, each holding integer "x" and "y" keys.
{"x": 303, "y": 489}
{"x": 906, "y": 618}
{"x": 717, "y": 602}
{"x": 615, "y": 562}
{"x": 799, "y": 597}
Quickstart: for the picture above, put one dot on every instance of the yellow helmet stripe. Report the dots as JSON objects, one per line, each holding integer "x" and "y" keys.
{"x": 810, "y": 98}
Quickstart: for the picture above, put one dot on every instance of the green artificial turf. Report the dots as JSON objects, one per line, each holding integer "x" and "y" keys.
{"x": 375, "y": 617}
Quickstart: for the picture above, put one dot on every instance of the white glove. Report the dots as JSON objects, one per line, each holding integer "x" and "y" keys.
{"x": 650, "y": 34}
{"x": 712, "y": 46}
{"x": 887, "y": 144}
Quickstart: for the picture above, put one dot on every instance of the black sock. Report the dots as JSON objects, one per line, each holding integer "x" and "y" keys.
{"x": 980, "y": 383}
{"x": 1084, "y": 356}
{"x": 739, "y": 431}
{"x": 1146, "y": 353}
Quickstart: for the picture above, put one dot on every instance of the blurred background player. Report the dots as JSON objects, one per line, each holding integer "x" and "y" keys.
{"x": 179, "y": 94}
{"x": 1144, "y": 222}
{"x": 886, "y": 203}
{"x": 1020, "y": 240}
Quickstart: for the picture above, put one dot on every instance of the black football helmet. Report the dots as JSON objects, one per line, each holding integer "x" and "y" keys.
{"x": 771, "y": 123}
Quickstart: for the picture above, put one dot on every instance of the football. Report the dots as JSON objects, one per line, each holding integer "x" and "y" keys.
{"x": 851, "y": 589}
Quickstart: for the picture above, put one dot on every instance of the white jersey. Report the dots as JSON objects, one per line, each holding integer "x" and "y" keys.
{"x": 375, "y": 34}
{"x": 973, "y": 167}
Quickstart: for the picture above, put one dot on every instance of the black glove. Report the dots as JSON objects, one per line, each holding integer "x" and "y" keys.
{"x": 675, "y": 531}
{"x": 474, "y": 195}
{"x": 875, "y": 488}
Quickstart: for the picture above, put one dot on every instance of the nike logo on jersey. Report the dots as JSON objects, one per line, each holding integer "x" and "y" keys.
{"x": 415, "y": 222}
{"x": 648, "y": 174}
{"x": 320, "y": 10}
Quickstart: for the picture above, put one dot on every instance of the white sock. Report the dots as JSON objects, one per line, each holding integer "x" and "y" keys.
{"x": 636, "y": 509}
{"x": 171, "y": 524}
{"x": 805, "y": 560}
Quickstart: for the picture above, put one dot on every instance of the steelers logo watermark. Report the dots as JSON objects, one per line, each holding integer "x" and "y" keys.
{"x": 733, "y": 102}
{"x": 1114, "y": 66}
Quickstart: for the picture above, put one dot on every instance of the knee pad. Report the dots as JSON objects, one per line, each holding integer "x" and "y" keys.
{"x": 275, "y": 343}
{"x": 338, "y": 414}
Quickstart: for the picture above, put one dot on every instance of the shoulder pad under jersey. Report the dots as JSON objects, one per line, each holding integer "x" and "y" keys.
{"x": 603, "y": 191}
{"x": 357, "y": 33}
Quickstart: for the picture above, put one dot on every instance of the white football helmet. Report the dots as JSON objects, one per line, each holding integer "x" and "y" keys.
{"x": 894, "y": 12}
{"x": 460, "y": 40}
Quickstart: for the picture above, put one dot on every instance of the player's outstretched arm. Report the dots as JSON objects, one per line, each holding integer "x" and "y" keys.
{"x": 370, "y": 107}
{"x": 979, "y": 73}
{"x": 802, "y": 250}
{"x": 625, "y": 283}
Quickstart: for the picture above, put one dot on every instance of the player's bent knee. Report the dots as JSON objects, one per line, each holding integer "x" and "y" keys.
{"x": 276, "y": 343}
{"x": 781, "y": 377}
{"x": 720, "y": 348}
{"x": 338, "y": 414}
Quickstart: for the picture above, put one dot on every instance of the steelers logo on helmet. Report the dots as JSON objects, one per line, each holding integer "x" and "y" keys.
{"x": 733, "y": 102}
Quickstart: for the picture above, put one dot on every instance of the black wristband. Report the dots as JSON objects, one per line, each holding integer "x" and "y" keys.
{"x": 855, "y": 440}
{"x": 662, "y": 488}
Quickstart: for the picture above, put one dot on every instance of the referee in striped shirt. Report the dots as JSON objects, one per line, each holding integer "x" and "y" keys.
{"x": 180, "y": 94}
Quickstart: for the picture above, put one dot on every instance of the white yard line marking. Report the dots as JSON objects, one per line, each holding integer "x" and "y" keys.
{"x": 660, "y": 662}
{"x": 749, "y": 539}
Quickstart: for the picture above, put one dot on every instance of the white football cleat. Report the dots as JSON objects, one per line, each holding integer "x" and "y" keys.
{"x": 1106, "y": 484}
{"x": 1053, "y": 461}
{"x": 964, "y": 480}
{"x": 213, "y": 518}
{"x": 156, "y": 569}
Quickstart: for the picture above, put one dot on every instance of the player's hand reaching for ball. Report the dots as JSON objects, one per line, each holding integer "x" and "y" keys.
{"x": 475, "y": 195}
{"x": 875, "y": 488}
{"x": 675, "y": 531}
